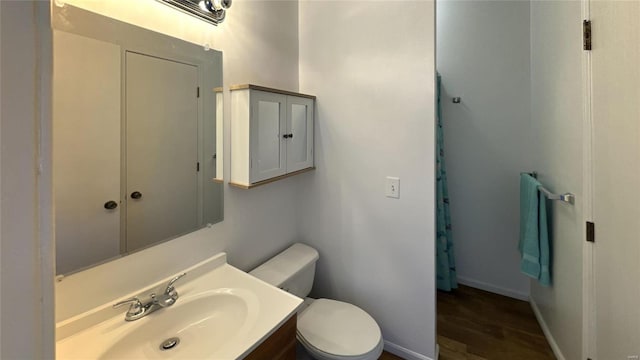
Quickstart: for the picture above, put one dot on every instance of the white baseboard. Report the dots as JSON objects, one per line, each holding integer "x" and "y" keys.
{"x": 493, "y": 288}
{"x": 546, "y": 331}
{"x": 406, "y": 353}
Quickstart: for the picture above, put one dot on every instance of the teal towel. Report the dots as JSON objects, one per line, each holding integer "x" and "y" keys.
{"x": 534, "y": 235}
{"x": 545, "y": 251}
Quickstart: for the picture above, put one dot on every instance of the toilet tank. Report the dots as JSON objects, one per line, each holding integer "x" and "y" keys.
{"x": 292, "y": 270}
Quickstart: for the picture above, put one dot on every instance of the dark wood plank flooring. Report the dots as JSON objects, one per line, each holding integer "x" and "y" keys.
{"x": 479, "y": 325}
{"x": 389, "y": 356}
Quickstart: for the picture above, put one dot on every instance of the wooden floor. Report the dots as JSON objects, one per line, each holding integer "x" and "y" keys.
{"x": 478, "y": 325}
{"x": 388, "y": 356}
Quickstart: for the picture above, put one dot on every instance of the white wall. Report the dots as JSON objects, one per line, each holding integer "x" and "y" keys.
{"x": 26, "y": 306}
{"x": 372, "y": 69}
{"x": 483, "y": 57}
{"x": 557, "y": 104}
{"x": 259, "y": 41}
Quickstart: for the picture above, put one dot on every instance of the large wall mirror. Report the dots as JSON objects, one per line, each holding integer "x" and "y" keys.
{"x": 135, "y": 119}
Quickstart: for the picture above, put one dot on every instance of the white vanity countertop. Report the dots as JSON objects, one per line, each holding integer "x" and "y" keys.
{"x": 222, "y": 313}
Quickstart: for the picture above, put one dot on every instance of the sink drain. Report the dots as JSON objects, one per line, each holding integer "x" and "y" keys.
{"x": 170, "y": 343}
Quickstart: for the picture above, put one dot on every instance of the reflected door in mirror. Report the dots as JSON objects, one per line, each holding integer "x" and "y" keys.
{"x": 162, "y": 149}
{"x": 86, "y": 150}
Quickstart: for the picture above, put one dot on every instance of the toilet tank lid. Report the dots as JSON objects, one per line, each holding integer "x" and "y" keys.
{"x": 283, "y": 266}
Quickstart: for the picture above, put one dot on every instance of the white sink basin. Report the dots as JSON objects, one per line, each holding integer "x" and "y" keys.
{"x": 223, "y": 313}
{"x": 202, "y": 324}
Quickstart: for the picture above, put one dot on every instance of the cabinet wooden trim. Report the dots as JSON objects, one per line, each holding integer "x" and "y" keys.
{"x": 218, "y": 89}
{"x": 216, "y": 180}
{"x": 263, "y": 182}
{"x": 281, "y": 345}
{"x": 271, "y": 90}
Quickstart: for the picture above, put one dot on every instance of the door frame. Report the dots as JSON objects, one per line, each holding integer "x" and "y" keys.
{"x": 588, "y": 271}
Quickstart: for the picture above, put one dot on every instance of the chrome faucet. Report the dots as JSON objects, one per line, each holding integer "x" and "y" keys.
{"x": 138, "y": 309}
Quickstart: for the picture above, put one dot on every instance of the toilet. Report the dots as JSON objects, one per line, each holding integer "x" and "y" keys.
{"x": 327, "y": 329}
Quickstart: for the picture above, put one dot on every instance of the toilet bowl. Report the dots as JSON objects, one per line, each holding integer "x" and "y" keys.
{"x": 332, "y": 330}
{"x": 327, "y": 329}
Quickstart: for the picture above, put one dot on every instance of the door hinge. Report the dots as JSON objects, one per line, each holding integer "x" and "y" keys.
{"x": 591, "y": 232}
{"x": 198, "y": 166}
{"x": 586, "y": 35}
{"x": 198, "y": 91}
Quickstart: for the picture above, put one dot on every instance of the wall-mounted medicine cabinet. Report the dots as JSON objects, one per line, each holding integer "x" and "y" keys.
{"x": 271, "y": 135}
{"x": 218, "y": 156}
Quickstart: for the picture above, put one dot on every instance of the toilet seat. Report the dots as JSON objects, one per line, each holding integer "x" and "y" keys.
{"x": 320, "y": 355}
{"x": 332, "y": 329}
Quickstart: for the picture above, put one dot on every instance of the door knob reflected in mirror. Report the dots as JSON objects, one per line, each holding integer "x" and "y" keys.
{"x": 110, "y": 205}
{"x": 136, "y": 195}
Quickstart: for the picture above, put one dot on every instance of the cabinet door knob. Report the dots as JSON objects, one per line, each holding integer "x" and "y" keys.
{"x": 110, "y": 205}
{"x": 136, "y": 195}
{"x": 290, "y": 136}
{"x": 287, "y": 136}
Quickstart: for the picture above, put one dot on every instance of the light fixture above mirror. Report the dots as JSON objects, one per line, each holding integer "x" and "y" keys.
{"x": 211, "y": 11}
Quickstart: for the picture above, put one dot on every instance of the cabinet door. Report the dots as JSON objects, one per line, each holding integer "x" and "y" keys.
{"x": 300, "y": 130}
{"x": 268, "y": 126}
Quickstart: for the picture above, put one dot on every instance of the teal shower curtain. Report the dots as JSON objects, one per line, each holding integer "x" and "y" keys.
{"x": 445, "y": 257}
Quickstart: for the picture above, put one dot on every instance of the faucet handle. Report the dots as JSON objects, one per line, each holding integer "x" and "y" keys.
{"x": 170, "y": 294}
{"x": 135, "y": 306}
{"x": 170, "y": 287}
{"x": 134, "y": 301}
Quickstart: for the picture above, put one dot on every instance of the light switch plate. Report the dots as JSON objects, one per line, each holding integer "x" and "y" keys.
{"x": 393, "y": 187}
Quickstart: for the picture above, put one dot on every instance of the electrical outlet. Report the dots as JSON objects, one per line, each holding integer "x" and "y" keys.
{"x": 393, "y": 187}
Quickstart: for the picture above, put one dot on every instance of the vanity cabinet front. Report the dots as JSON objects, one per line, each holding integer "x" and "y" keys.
{"x": 281, "y": 345}
{"x": 271, "y": 135}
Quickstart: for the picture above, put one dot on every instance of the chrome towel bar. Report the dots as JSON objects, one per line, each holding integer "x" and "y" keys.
{"x": 566, "y": 197}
